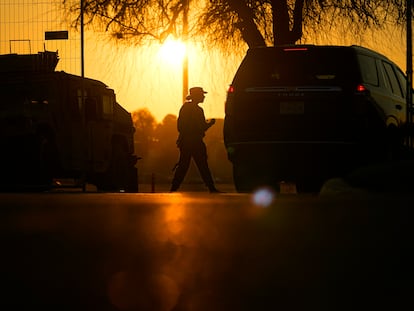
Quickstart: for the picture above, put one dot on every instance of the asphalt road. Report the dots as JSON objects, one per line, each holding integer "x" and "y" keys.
{"x": 201, "y": 251}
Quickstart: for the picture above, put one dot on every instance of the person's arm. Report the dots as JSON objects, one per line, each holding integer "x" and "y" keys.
{"x": 210, "y": 123}
{"x": 206, "y": 125}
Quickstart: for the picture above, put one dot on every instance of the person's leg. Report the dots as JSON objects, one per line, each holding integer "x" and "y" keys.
{"x": 200, "y": 158}
{"x": 181, "y": 169}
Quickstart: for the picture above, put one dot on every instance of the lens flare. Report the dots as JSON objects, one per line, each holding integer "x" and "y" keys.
{"x": 263, "y": 197}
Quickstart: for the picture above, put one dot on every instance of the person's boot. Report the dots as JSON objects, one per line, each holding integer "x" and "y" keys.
{"x": 174, "y": 188}
{"x": 213, "y": 189}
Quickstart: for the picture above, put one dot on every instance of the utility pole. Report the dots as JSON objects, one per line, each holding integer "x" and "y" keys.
{"x": 409, "y": 73}
{"x": 185, "y": 41}
{"x": 83, "y": 108}
{"x": 82, "y": 33}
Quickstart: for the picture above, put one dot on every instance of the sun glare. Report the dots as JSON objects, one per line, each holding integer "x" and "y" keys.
{"x": 172, "y": 51}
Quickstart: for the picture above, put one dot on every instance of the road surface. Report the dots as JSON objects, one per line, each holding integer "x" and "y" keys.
{"x": 201, "y": 251}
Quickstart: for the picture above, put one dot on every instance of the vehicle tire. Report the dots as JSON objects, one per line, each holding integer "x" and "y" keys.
{"x": 395, "y": 143}
{"x": 132, "y": 186}
{"x": 248, "y": 177}
{"x": 241, "y": 179}
{"x": 121, "y": 174}
{"x": 44, "y": 162}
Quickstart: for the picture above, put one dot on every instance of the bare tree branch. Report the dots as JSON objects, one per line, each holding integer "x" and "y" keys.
{"x": 231, "y": 23}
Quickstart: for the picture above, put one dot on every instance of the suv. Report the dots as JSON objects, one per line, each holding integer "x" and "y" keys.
{"x": 307, "y": 113}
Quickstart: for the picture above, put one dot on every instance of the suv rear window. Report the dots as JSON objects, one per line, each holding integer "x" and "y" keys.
{"x": 326, "y": 66}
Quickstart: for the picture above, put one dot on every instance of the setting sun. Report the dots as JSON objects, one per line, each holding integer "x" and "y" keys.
{"x": 172, "y": 51}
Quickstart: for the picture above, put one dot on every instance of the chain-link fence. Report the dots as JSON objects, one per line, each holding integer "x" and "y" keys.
{"x": 32, "y": 26}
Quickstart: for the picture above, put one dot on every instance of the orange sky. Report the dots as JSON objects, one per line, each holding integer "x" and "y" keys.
{"x": 138, "y": 75}
{"x": 142, "y": 79}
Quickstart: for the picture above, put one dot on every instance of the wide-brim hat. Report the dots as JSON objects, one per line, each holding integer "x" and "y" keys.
{"x": 197, "y": 90}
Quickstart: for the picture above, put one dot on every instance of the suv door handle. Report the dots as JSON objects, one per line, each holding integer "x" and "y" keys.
{"x": 399, "y": 107}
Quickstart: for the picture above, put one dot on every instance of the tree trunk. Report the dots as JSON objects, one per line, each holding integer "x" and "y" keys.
{"x": 247, "y": 26}
{"x": 282, "y": 34}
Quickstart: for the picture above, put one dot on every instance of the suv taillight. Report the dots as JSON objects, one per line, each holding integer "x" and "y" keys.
{"x": 362, "y": 103}
{"x": 361, "y": 88}
{"x": 230, "y": 90}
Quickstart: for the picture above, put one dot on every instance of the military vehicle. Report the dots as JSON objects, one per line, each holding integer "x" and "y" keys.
{"x": 58, "y": 126}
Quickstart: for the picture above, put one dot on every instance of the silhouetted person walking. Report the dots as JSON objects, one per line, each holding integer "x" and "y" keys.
{"x": 191, "y": 126}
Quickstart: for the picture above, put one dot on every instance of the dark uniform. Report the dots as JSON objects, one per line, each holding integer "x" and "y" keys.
{"x": 191, "y": 126}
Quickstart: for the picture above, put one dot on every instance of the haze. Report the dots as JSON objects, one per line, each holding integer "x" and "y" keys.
{"x": 150, "y": 76}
